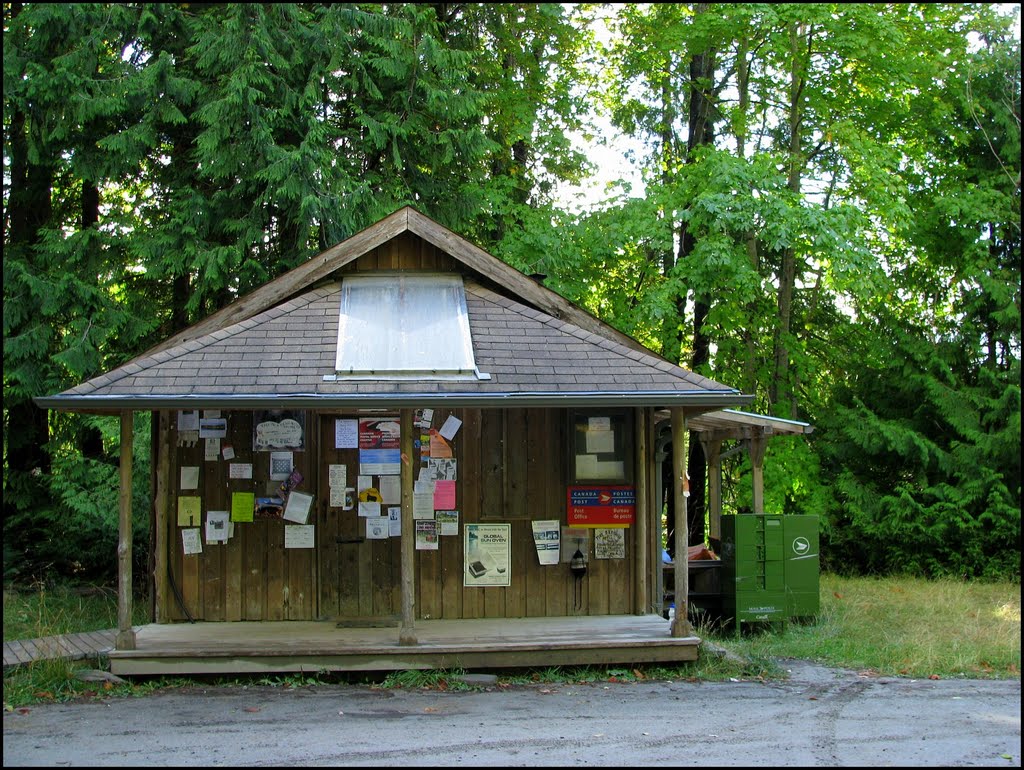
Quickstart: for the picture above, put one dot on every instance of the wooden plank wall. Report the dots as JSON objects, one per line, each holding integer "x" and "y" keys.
{"x": 512, "y": 467}
{"x": 253, "y": 576}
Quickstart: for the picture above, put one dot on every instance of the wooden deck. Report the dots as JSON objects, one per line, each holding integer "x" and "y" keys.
{"x": 93, "y": 644}
{"x": 312, "y": 646}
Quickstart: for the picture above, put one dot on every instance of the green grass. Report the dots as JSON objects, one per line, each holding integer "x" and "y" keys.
{"x": 887, "y": 626}
{"x": 904, "y": 627}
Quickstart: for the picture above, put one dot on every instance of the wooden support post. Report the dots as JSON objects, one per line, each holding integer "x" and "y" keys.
{"x": 125, "y": 632}
{"x": 643, "y": 508}
{"x": 758, "y": 443}
{"x": 681, "y": 623}
{"x": 407, "y": 633}
{"x": 713, "y": 452}
{"x": 162, "y": 468}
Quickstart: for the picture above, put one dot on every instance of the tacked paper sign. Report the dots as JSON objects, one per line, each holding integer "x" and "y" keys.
{"x": 438, "y": 446}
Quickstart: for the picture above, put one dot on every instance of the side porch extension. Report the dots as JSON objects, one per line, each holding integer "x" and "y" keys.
{"x": 312, "y": 646}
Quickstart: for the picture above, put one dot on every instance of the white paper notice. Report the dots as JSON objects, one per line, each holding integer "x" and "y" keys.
{"x": 426, "y": 417}
{"x": 297, "y": 508}
{"x": 423, "y": 500}
{"x": 346, "y": 434}
{"x": 212, "y": 449}
{"x": 191, "y": 542}
{"x": 217, "y": 526}
{"x": 280, "y": 465}
{"x": 337, "y": 497}
{"x": 545, "y": 537}
{"x": 609, "y": 544}
{"x": 390, "y": 488}
{"x": 188, "y": 420}
{"x": 369, "y": 510}
{"x": 377, "y": 528}
{"x": 228, "y": 451}
{"x": 190, "y": 477}
{"x": 600, "y": 441}
{"x": 451, "y": 427}
{"x": 299, "y": 535}
{"x": 337, "y": 476}
{"x": 240, "y": 470}
{"x": 395, "y": 521}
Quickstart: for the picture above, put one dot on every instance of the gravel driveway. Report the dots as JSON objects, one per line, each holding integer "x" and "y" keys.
{"x": 817, "y": 717}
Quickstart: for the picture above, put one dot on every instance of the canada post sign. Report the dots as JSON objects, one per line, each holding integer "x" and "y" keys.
{"x": 601, "y": 506}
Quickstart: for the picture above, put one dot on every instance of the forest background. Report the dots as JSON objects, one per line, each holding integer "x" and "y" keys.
{"x": 829, "y": 220}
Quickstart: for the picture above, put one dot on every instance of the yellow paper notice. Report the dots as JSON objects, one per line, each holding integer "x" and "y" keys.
{"x": 189, "y": 511}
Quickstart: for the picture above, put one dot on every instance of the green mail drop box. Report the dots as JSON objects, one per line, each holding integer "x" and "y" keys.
{"x": 770, "y": 568}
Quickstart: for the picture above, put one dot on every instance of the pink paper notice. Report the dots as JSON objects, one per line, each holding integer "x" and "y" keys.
{"x": 444, "y": 495}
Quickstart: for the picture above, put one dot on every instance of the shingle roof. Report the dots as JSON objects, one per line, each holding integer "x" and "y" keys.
{"x": 285, "y": 353}
{"x": 284, "y": 356}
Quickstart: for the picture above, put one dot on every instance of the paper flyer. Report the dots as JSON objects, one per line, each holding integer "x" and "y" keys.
{"x": 297, "y": 508}
{"x": 610, "y": 543}
{"x": 486, "y": 552}
{"x": 217, "y": 526}
{"x": 426, "y": 535}
{"x": 189, "y": 511}
{"x": 243, "y": 505}
{"x": 448, "y": 522}
{"x": 545, "y": 537}
{"x": 191, "y": 542}
{"x": 300, "y": 536}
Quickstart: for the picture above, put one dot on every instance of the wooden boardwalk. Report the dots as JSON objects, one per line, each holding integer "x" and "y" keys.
{"x": 91, "y": 644}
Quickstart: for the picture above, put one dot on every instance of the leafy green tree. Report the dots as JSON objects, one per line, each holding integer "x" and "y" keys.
{"x": 924, "y": 438}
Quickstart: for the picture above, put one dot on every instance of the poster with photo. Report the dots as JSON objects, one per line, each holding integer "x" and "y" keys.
{"x": 426, "y": 535}
{"x": 486, "y": 555}
{"x": 448, "y": 521}
{"x": 379, "y": 452}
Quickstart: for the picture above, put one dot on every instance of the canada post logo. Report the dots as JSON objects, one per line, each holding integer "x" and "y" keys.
{"x": 602, "y": 496}
{"x": 801, "y": 546}
{"x": 601, "y": 506}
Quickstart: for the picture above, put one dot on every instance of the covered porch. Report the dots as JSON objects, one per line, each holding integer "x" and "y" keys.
{"x": 482, "y": 643}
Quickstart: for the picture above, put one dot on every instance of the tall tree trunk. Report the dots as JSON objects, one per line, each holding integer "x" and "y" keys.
{"x": 781, "y": 391}
{"x": 701, "y": 134}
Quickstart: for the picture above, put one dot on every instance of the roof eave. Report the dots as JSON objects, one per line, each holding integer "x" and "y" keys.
{"x": 656, "y": 399}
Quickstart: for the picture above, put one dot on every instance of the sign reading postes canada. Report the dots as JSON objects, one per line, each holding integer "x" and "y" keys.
{"x": 601, "y": 506}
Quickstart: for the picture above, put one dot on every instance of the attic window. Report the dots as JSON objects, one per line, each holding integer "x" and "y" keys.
{"x": 404, "y": 326}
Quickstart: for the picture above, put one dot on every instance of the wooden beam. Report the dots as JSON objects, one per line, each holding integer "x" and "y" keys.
{"x": 681, "y": 623}
{"x": 162, "y": 468}
{"x": 407, "y": 632}
{"x": 758, "y": 443}
{"x": 713, "y": 454}
{"x": 125, "y": 631}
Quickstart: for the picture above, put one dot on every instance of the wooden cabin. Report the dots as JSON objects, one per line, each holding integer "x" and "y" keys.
{"x": 402, "y": 454}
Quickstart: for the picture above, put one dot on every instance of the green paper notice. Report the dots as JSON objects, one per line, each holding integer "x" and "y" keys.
{"x": 242, "y": 505}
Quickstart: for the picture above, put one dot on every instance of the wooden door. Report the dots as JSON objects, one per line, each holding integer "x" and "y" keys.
{"x": 359, "y": 576}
